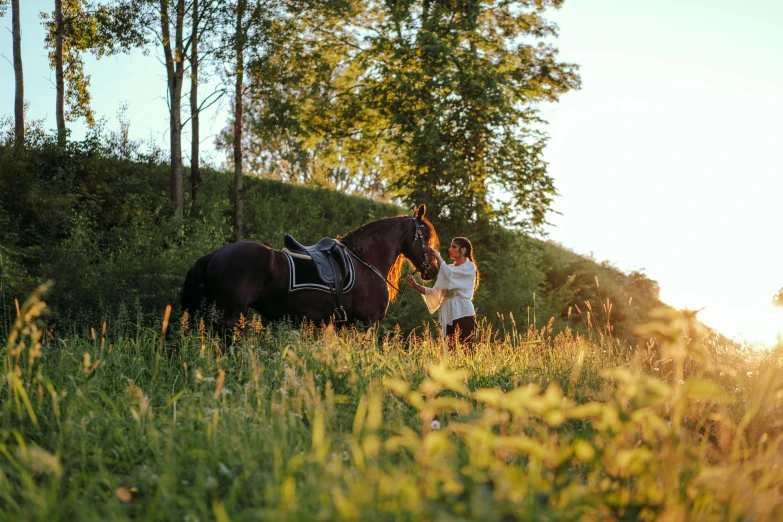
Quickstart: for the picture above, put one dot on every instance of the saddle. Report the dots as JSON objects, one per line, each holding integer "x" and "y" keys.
{"x": 331, "y": 262}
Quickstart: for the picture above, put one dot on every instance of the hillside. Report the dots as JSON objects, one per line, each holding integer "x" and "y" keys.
{"x": 95, "y": 219}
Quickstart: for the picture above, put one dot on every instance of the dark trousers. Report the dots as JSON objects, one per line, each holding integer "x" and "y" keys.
{"x": 467, "y": 331}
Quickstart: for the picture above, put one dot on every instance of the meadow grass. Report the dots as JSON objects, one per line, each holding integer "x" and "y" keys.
{"x": 313, "y": 424}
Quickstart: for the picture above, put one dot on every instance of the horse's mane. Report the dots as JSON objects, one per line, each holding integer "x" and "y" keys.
{"x": 396, "y": 270}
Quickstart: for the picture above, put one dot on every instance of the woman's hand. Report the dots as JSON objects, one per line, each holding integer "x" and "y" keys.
{"x": 437, "y": 256}
{"x": 412, "y": 283}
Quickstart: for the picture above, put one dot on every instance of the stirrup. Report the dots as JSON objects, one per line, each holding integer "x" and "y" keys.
{"x": 340, "y": 316}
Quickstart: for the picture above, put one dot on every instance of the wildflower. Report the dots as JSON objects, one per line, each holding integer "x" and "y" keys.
{"x": 722, "y": 374}
{"x": 681, "y": 381}
{"x": 225, "y": 391}
{"x": 750, "y": 374}
{"x": 736, "y": 390}
{"x": 346, "y": 456}
{"x": 435, "y": 424}
{"x": 656, "y": 368}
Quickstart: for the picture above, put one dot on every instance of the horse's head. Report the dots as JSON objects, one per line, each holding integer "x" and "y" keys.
{"x": 420, "y": 243}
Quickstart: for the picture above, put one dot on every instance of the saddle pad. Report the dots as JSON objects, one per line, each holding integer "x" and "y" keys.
{"x": 302, "y": 275}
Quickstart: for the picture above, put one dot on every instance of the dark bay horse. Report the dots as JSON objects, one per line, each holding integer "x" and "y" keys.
{"x": 245, "y": 275}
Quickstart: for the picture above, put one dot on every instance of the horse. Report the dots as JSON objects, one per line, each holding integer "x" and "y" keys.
{"x": 246, "y": 274}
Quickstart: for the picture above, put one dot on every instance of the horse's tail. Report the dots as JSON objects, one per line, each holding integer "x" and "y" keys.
{"x": 193, "y": 291}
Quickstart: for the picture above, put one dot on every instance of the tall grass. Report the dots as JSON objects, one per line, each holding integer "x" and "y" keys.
{"x": 313, "y": 424}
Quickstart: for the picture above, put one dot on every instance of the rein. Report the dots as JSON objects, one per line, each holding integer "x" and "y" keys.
{"x": 368, "y": 265}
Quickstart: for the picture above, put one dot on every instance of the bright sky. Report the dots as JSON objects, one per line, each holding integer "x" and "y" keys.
{"x": 667, "y": 160}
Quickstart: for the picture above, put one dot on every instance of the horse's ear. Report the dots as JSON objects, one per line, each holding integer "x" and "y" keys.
{"x": 420, "y": 212}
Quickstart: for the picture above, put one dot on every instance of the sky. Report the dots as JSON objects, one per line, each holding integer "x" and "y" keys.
{"x": 667, "y": 160}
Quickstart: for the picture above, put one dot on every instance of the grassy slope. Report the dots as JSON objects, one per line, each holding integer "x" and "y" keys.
{"x": 305, "y": 424}
{"x": 99, "y": 225}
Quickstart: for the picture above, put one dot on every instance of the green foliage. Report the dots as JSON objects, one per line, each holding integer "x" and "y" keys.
{"x": 94, "y": 217}
{"x": 309, "y": 424}
{"x": 458, "y": 85}
{"x": 87, "y": 27}
{"x": 428, "y": 101}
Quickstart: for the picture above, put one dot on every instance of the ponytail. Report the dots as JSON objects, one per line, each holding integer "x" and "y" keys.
{"x": 468, "y": 246}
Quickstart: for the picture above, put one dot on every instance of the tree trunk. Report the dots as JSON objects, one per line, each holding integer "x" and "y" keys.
{"x": 174, "y": 73}
{"x": 58, "y": 66}
{"x": 18, "y": 74}
{"x": 238, "y": 193}
{"x": 195, "y": 173}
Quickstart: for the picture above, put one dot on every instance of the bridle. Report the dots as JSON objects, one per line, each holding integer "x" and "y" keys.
{"x": 425, "y": 248}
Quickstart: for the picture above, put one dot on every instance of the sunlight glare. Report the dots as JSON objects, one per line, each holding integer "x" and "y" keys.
{"x": 757, "y": 325}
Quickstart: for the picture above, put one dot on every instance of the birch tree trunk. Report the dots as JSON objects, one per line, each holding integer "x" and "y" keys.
{"x": 195, "y": 172}
{"x": 238, "y": 192}
{"x": 174, "y": 72}
{"x": 58, "y": 66}
{"x": 18, "y": 75}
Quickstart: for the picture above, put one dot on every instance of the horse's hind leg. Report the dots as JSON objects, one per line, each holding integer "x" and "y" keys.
{"x": 234, "y": 320}
{"x": 233, "y": 312}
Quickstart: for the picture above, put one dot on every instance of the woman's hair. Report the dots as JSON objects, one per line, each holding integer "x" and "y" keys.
{"x": 468, "y": 246}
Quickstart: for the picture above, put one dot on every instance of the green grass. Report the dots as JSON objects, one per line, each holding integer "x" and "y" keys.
{"x": 313, "y": 424}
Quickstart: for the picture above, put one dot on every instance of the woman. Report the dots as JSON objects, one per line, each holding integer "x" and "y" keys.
{"x": 453, "y": 292}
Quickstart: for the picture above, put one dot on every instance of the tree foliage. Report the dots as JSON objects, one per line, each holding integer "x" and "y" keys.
{"x": 458, "y": 86}
{"x": 431, "y": 101}
{"x": 88, "y": 26}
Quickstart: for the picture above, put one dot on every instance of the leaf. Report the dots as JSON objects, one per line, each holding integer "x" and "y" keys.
{"x": 523, "y": 445}
{"x": 489, "y": 396}
{"x": 583, "y": 411}
{"x": 705, "y": 389}
{"x": 397, "y": 386}
{"x": 452, "y": 379}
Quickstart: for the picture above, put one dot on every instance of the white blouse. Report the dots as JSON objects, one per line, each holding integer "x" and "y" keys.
{"x": 452, "y": 293}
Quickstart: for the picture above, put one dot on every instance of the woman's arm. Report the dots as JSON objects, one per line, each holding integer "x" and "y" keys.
{"x": 442, "y": 265}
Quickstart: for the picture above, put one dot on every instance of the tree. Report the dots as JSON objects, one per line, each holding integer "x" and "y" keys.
{"x": 58, "y": 61}
{"x": 204, "y": 16}
{"x": 777, "y": 300}
{"x": 240, "y": 39}
{"x": 195, "y": 172}
{"x": 457, "y": 86}
{"x": 174, "y": 57}
{"x": 164, "y": 21}
{"x": 16, "y": 32}
{"x": 245, "y": 26}
{"x": 76, "y": 27}
{"x": 295, "y": 79}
